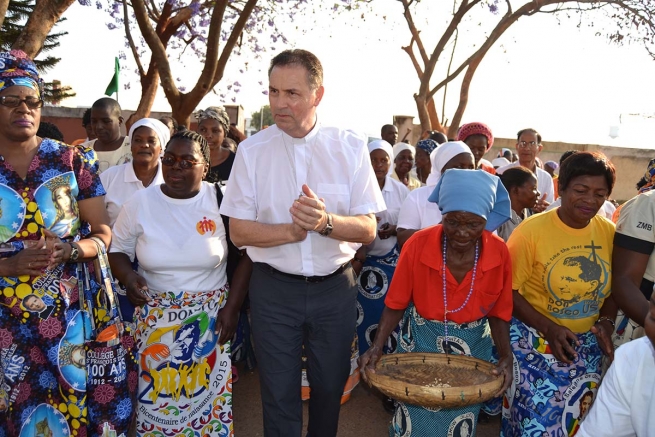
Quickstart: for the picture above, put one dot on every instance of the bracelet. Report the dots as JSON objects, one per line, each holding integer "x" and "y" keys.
{"x": 361, "y": 261}
{"x": 605, "y": 318}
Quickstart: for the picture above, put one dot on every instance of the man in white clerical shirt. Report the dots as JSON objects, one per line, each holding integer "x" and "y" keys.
{"x": 302, "y": 199}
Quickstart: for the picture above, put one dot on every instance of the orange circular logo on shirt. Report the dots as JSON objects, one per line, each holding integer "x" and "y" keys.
{"x": 206, "y": 225}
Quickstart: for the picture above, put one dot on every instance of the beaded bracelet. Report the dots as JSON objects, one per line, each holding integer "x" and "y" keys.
{"x": 604, "y": 318}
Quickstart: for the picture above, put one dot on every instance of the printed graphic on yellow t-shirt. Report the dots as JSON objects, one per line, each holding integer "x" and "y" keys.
{"x": 563, "y": 273}
{"x": 576, "y": 279}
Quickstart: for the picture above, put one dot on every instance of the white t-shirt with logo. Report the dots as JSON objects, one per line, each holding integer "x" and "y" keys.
{"x": 180, "y": 243}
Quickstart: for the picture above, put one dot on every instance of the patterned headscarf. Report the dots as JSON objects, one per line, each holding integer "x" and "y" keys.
{"x": 427, "y": 145}
{"x": 476, "y": 129}
{"x": 648, "y": 179}
{"x": 216, "y": 113}
{"x": 16, "y": 69}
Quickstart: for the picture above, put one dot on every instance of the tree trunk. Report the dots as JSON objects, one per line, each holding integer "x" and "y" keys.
{"x": 149, "y": 85}
{"x": 180, "y": 113}
{"x": 464, "y": 93}
{"x": 38, "y": 26}
{"x": 4, "y": 4}
{"x": 423, "y": 113}
{"x": 434, "y": 117}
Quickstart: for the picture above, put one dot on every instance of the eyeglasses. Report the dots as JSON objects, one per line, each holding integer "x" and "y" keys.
{"x": 524, "y": 144}
{"x": 170, "y": 160}
{"x": 32, "y": 102}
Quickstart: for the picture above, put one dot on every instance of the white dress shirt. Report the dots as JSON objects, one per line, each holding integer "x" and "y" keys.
{"x": 544, "y": 180}
{"x": 266, "y": 179}
{"x": 625, "y": 405}
{"x": 394, "y": 194}
{"x": 121, "y": 183}
{"x": 416, "y": 212}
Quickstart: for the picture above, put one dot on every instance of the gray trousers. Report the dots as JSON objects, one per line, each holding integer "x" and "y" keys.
{"x": 287, "y": 313}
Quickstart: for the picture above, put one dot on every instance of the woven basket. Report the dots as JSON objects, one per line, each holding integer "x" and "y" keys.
{"x": 407, "y": 378}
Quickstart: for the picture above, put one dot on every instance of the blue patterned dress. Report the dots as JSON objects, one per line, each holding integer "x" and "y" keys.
{"x": 43, "y": 375}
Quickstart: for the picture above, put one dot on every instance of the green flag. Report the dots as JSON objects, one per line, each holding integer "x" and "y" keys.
{"x": 113, "y": 85}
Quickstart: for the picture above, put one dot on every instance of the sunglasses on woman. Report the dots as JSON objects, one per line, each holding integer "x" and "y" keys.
{"x": 32, "y": 102}
{"x": 170, "y": 160}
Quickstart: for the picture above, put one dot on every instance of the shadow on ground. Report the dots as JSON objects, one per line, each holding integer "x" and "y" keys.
{"x": 362, "y": 416}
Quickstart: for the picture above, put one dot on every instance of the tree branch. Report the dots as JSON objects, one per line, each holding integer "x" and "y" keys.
{"x": 415, "y": 33}
{"x": 43, "y": 17}
{"x": 232, "y": 40}
{"x": 130, "y": 41}
{"x": 204, "y": 82}
{"x": 412, "y": 56}
{"x": 4, "y": 5}
{"x": 158, "y": 50}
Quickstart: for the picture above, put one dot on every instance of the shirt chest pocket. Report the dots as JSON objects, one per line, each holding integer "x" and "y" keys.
{"x": 336, "y": 197}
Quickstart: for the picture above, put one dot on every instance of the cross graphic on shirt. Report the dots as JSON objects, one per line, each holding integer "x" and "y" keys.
{"x": 593, "y": 248}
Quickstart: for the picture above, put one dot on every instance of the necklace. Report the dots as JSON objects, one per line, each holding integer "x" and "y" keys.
{"x": 310, "y": 147}
{"x": 445, "y": 298}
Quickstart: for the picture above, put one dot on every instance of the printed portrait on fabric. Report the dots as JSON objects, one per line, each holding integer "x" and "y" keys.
{"x": 56, "y": 200}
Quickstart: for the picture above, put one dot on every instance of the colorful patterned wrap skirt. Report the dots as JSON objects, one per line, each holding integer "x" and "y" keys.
{"x": 373, "y": 283}
{"x": 549, "y": 398}
{"x": 185, "y": 376}
{"x": 421, "y": 335}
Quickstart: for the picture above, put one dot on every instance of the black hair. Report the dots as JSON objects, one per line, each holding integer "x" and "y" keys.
{"x": 532, "y": 131}
{"x": 49, "y": 130}
{"x": 439, "y": 137}
{"x": 586, "y": 164}
{"x": 86, "y": 117}
{"x": 166, "y": 119}
{"x": 229, "y": 143}
{"x": 516, "y": 177}
{"x": 566, "y": 155}
{"x": 108, "y": 103}
{"x": 589, "y": 270}
{"x": 195, "y": 137}
{"x": 301, "y": 58}
{"x": 235, "y": 134}
{"x": 385, "y": 128}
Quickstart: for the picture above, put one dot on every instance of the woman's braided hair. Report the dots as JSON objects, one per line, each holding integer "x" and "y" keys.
{"x": 195, "y": 137}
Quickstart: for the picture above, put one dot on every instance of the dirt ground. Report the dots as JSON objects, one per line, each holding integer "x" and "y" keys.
{"x": 362, "y": 416}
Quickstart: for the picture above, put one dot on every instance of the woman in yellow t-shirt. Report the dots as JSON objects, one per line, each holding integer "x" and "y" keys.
{"x": 563, "y": 311}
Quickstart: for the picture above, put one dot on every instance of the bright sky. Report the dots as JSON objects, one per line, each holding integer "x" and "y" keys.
{"x": 563, "y": 81}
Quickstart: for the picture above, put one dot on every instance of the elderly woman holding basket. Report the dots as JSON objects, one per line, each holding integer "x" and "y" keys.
{"x": 452, "y": 281}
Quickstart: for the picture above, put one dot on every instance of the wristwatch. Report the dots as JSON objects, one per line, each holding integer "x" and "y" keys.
{"x": 75, "y": 253}
{"x": 327, "y": 230}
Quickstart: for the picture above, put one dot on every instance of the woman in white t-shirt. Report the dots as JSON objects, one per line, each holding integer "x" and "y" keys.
{"x": 146, "y": 137}
{"x": 376, "y": 262}
{"x": 177, "y": 233}
{"x": 416, "y": 212}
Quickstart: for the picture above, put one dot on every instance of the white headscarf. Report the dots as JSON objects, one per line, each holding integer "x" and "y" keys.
{"x": 399, "y": 147}
{"x": 383, "y": 145}
{"x": 440, "y": 157}
{"x": 162, "y": 131}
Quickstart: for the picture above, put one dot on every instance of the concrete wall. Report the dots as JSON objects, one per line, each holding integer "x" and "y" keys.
{"x": 630, "y": 163}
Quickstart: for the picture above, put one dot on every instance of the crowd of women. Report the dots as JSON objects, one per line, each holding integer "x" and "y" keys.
{"x": 464, "y": 262}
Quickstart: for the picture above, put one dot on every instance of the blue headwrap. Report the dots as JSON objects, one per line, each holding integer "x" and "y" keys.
{"x": 474, "y": 191}
{"x": 16, "y": 69}
{"x": 427, "y": 145}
